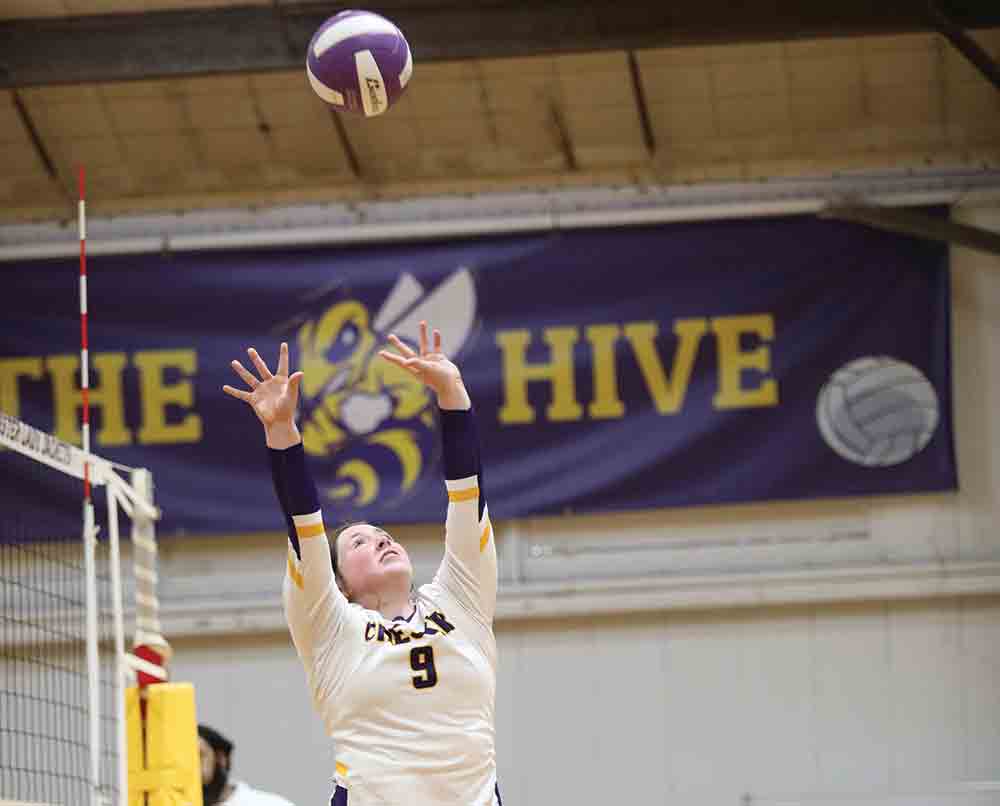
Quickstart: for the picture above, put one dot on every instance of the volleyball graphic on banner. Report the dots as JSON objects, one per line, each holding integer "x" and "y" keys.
{"x": 877, "y": 411}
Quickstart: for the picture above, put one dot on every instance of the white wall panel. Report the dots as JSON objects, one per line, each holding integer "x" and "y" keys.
{"x": 852, "y": 697}
{"x": 628, "y": 662}
{"x": 926, "y": 723}
{"x": 980, "y": 687}
{"x": 558, "y": 744}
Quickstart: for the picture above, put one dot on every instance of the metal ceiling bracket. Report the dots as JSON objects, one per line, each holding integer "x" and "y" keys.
{"x": 964, "y": 43}
{"x": 917, "y": 224}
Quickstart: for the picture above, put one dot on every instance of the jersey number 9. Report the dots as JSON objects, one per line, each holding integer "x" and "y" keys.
{"x": 422, "y": 660}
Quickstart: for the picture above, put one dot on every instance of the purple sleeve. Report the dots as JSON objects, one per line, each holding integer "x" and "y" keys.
{"x": 294, "y": 486}
{"x": 460, "y": 456}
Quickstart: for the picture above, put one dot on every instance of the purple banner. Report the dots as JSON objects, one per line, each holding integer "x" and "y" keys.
{"x": 612, "y": 369}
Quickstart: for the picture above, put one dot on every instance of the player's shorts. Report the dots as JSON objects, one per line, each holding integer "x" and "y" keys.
{"x": 340, "y": 797}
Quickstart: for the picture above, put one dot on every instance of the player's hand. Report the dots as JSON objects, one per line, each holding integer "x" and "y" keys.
{"x": 272, "y": 397}
{"x": 431, "y": 367}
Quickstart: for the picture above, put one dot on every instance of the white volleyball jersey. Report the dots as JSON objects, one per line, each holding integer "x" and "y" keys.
{"x": 245, "y": 795}
{"x": 409, "y": 703}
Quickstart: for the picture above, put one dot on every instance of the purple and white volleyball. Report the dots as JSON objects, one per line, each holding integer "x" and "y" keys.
{"x": 359, "y": 62}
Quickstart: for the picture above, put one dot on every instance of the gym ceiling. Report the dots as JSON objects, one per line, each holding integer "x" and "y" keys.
{"x": 186, "y": 104}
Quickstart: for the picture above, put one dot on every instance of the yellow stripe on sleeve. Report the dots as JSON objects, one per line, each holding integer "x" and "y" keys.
{"x": 293, "y": 572}
{"x": 484, "y": 538}
{"x": 341, "y": 770}
{"x": 463, "y": 495}
{"x": 309, "y": 530}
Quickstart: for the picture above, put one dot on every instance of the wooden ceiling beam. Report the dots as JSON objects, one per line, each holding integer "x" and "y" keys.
{"x": 236, "y": 39}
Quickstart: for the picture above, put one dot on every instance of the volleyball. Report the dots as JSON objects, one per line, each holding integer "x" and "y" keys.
{"x": 359, "y": 62}
{"x": 877, "y": 411}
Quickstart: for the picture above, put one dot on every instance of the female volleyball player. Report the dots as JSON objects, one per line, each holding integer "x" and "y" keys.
{"x": 404, "y": 679}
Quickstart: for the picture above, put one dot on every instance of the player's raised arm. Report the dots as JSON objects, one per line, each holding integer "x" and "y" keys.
{"x": 469, "y": 569}
{"x": 314, "y": 605}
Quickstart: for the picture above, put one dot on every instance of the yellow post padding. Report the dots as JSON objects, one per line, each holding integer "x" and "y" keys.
{"x": 163, "y": 763}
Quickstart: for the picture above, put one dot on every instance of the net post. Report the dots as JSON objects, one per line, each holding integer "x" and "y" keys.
{"x": 93, "y": 662}
{"x": 118, "y": 620}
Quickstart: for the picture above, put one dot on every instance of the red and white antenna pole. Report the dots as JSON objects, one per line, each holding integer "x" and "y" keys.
{"x": 84, "y": 345}
{"x": 89, "y": 528}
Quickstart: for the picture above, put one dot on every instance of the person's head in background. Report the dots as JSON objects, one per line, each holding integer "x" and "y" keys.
{"x": 216, "y": 752}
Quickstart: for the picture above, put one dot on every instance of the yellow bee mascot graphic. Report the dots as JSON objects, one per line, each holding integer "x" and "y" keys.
{"x": 370, "y": 426}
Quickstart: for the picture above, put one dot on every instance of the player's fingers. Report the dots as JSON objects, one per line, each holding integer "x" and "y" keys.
{"x": 265, "y": 373}
{"x": 247, "y": 376}
{"x": 394, "y": 358}
{"x": 239, "y": 394}
{"x": 293, "y": 384}
{"x": 418, "y": 366}
{"x": 437, "y": 340}
{"x": 423, "y": 338}
{"x": 411, "y": 365}
{"x": 283, "y": 359}
{"x": 400, "y": 345}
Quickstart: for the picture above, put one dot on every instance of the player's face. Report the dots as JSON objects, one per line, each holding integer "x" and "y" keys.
{"x": 370, "y": 559}
{"x": 207, "y": 757}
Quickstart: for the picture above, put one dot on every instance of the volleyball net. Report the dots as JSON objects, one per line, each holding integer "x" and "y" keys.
{"x": 63, "y": 663}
